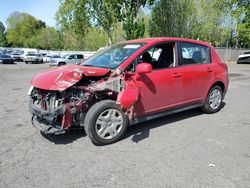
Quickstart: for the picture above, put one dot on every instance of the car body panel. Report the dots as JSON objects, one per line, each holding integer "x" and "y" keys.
{"x": 62, "y": 78}
{"x": 140, "y": 94}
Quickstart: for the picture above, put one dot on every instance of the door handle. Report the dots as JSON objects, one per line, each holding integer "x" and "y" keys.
{"x": 209, "y": 70}
{"x": 176, "y": 75}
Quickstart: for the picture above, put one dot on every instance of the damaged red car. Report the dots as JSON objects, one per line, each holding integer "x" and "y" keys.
{"x": 128, "y": 83}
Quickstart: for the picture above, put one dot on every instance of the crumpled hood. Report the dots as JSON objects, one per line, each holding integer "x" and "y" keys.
{"x": 65, "y": 76}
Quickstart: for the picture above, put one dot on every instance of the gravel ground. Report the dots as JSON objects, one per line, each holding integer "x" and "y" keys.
{"x": 189, "y": 149}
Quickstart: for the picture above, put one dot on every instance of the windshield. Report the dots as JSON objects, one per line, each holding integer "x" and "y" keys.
{"x": 113, "y": 56}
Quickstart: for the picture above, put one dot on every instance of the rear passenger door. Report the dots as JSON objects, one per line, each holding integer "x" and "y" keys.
{"x": 196, "y": 69}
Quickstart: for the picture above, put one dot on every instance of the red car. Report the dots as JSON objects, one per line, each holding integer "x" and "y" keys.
{"x": 128, "y": 83}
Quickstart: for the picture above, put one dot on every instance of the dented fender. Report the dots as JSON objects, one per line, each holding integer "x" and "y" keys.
{"x": 128, "y": 96}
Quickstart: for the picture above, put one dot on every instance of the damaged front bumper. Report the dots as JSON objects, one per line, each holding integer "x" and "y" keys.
{"x": 44, "y": 119}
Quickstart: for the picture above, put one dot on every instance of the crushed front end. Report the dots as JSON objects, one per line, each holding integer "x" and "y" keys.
{"x": 55, "y": 111}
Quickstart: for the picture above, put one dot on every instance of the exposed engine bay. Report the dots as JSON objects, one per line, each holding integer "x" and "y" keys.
{"x": 56, "y": 111}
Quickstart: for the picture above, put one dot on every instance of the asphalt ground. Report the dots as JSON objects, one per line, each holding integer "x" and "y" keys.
{"x": 188, "y": 149}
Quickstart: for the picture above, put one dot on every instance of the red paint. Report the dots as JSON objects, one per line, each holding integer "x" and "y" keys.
{"x": 147, "y": 91}
{"x": 128, "y": 96}
{"x": 62, "y": 78}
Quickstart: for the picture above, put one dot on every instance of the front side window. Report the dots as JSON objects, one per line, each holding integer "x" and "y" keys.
{"x": 160, "y": 56}
{"x": 113, "y": 56}
{"x": 191, "y": 53}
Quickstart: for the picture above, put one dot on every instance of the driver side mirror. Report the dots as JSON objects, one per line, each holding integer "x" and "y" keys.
{"x": 143, "y": 68}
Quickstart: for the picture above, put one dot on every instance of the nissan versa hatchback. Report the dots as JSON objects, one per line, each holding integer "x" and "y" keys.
{"x": 128, "y": 83}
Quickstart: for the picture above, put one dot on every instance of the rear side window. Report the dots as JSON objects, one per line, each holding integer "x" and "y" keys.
{"x": 191, "y": 53}
{"x": 79, "y": 56}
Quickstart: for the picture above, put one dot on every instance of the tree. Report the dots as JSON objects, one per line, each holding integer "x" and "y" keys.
{"x": 95, "y": 39}
{"x": 50, "y": 39}
{"x": 72, "y": 15}
{"x": 3, "y": 41}
{"x": 241, "y": 13}
{"x": 214, "y": 21}
{"x": 103, "y": 15}
{"x": 175, "y": 18}
{"x": 22, "y": 27}
{"x": 126, "y": 12}
{"x": 77, "y": 14}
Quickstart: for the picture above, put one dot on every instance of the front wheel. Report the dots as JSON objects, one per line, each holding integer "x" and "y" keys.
{"x": 105, "y": 122}
{"x": 213, "y": 101}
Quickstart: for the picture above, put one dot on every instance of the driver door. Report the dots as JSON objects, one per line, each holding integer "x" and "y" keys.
{"x": 160, "y": 89}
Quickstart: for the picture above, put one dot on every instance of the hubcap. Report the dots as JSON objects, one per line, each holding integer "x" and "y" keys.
{"x": 109, "y": 124}
{"x": 215, "y": 99}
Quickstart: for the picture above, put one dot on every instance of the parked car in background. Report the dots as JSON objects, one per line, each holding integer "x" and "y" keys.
{"x": 48, "y": 57}
{"x": 16, "y": 56}
{"x": 124, "y": 85}
{"x": 33, "y": 58}
{"x": 75, "y": 59}
{"x": 244, "y": 58}
{"x": 4, "y": 59}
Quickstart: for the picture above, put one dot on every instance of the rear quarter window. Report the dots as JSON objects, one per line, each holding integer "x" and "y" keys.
{"x": 191, "y": 54}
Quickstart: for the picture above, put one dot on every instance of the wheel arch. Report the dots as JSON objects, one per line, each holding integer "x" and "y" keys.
{"x": 219, "y": 83}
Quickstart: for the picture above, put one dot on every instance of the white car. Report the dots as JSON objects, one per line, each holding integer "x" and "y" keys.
{"x": 33, "y": 58}
{"x": 244, "y": 58}
{"x": 75, "y": 59}
{"x": 16, "y": 56}
{"x": 48, "y": 57}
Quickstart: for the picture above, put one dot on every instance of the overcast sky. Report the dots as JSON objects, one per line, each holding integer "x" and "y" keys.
{"x": 41, "y": 9}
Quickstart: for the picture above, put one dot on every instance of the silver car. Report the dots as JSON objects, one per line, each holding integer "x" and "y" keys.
{"x": 75, "y": 59}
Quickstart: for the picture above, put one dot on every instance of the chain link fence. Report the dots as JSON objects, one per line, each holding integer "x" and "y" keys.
{"x": 230, "y": 54}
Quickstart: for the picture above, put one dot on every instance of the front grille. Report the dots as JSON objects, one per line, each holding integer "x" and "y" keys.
{"x": 46, "y": 100}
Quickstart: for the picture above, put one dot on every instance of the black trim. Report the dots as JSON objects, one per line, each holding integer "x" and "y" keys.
{"x": 165, "y": 113}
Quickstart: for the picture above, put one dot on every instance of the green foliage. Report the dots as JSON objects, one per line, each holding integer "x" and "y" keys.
{"x": 72, "y": 15}
{"x": 175, "y": 18}
{"x": 95, "y": 39}
{"x": 3, "y": 40}
{"x": 50, "y": 39}
{"x": 126, "y": 12}
{"x": 207, "y": 20}
{"x": 241, "y": 13}
{"x": 22, "y": 27}
{"x": 103, "y": 15}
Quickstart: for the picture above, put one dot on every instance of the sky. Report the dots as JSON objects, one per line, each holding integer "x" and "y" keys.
{"x": 44, "y": 10}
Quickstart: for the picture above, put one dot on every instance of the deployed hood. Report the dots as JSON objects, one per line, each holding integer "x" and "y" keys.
{"x": 64, "y": 77}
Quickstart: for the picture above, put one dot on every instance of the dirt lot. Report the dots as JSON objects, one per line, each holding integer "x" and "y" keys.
{"x": 189, "y": 149}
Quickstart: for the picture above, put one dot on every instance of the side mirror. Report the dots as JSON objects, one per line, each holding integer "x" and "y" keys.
{"x": 143, "y": 68}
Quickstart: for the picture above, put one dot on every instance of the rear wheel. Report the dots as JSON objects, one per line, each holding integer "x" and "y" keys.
{"x": 214, "y": 100}
{"x": 105, "y": 122}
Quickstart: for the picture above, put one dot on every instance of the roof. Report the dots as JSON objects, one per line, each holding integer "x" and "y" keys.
{"x": 165, "y": 39}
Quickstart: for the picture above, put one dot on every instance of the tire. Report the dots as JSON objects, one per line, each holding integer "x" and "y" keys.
{"x": 61, "y": 64}
{"x": 112, "y": 123}
{"x": 26, "y": 62}
{"x": 213, "y": 101}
